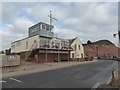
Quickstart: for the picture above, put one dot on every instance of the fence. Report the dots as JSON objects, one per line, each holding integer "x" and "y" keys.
{"x": 9, "y": 60}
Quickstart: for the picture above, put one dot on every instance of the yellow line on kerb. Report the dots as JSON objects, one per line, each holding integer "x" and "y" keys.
{"x": 96, "y": 85}
{"x": 108, "y": 82}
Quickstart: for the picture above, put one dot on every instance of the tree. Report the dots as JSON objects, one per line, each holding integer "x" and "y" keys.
{"x": 2, "y": 52}
{"x": 89, "y": 42}
{"x": 8, "y": 51}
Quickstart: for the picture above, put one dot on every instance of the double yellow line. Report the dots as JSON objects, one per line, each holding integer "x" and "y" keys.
{"x": 98, "y": 84}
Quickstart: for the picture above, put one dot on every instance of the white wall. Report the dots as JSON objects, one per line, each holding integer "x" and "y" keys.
{"x": 77, "y": 53}
{"x": 20, "y": 46}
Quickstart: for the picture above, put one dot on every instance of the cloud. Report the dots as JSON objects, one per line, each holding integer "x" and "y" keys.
{"x": 89, "y": 20}
{"x": 16, "y": 31}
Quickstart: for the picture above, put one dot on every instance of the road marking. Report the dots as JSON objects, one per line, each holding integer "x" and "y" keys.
{"x": 2, "y": 81}
{"x": 96, "y": 86}
{"x": 15, "y": 80}
{"x": 108, "y": 82}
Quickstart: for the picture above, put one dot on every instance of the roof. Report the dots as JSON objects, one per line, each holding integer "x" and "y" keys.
{"x": 71, "y": 40}
{"x": 24, "y": 38}
{"x": 101, "y": 42}
{"x": 40, "y": 24}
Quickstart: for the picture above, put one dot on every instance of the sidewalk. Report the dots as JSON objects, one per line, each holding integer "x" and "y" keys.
{"x": 35, "y": 67}
{"x": 105, "y": 87}
{"x": 116, "y": 80}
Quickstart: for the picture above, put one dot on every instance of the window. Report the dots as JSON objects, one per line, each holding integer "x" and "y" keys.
{"x": 72, "y": 55}
{"x": 47, "y": 28}
{"x": 79, "y": 47}
{"x": 33, "y": 30}
{"x": 43, "y": 26}
{"x": 75, "y": 47}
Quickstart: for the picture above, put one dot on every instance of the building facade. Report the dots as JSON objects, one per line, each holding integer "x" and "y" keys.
{"x": 42, "y": 49}
{"x": 41, "y": 45}
{"x": 78, "y": 50}
{"x": 41, "y": 29}
{"x": 101, "y": 49}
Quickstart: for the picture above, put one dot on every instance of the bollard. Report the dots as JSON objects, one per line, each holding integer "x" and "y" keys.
{"x": 113, "y": 74}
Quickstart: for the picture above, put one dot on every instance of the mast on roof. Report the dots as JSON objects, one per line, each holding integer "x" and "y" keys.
{"x": 51, "y": 20}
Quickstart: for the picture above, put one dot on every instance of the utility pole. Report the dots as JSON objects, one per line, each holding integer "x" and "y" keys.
{"x": 51, "y": 20}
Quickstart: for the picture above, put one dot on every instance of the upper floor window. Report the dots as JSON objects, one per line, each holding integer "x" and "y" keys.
{"x": 79, "y": 47}
{"x": 47, "y": 28}
{"x": 43, "y": 26}
{"x": 75, "y": 47}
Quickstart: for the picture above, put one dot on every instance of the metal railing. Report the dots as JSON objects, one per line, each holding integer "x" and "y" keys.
{"x": 33, "y": 47}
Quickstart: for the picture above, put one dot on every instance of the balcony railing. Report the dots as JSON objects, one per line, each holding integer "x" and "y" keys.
{"x": 51, "y": 44}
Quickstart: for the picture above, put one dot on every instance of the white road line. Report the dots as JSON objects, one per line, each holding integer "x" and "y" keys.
{"x": 15, "y": 80}
{"x": 2, "y": 81}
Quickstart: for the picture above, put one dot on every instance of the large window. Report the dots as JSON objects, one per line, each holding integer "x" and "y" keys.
{"x": 43, "y": 26}
{"x": 47, "y": 28}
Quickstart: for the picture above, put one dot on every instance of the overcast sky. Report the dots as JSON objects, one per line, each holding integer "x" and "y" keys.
{"x": 86, "y": 20}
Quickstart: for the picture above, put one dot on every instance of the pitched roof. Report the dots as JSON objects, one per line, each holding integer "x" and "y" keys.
{"x": 71, "y": 40}
{"x": 103, "y": 42}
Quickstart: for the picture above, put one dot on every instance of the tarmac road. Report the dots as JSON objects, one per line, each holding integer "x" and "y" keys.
{"x": 80, "y": 76}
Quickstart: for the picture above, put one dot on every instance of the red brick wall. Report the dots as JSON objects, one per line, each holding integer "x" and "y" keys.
{"x": 51, "y": 57}
{"x": 103, "y": 50}
{"x": 42, "y": 57}
{"x": 119, "y": 52}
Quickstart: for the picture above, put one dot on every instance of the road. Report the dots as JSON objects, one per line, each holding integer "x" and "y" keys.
{"x": 81, "y": 76}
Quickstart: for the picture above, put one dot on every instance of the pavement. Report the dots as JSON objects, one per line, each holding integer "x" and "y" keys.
{"x": 107, "y": 87}
{"x": 28, "y": 67}
{"x": 87, "y": 75}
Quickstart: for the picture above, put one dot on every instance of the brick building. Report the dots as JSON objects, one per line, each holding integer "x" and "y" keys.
{"x": 101, "y": 49}
{"x": 119, "y": 53}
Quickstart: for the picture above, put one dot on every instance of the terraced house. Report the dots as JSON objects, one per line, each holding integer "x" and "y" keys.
{"x": 42, "y": 46}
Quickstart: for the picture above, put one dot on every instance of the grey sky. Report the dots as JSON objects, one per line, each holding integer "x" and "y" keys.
{"x": 86, "y": 20}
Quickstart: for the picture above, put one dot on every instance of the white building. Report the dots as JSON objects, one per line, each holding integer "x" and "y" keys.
{"x": 78, "y": 49}
{"x": 42, "y": 44}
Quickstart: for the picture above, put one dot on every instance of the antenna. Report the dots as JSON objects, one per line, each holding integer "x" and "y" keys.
{"x": 51, "y": 20}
